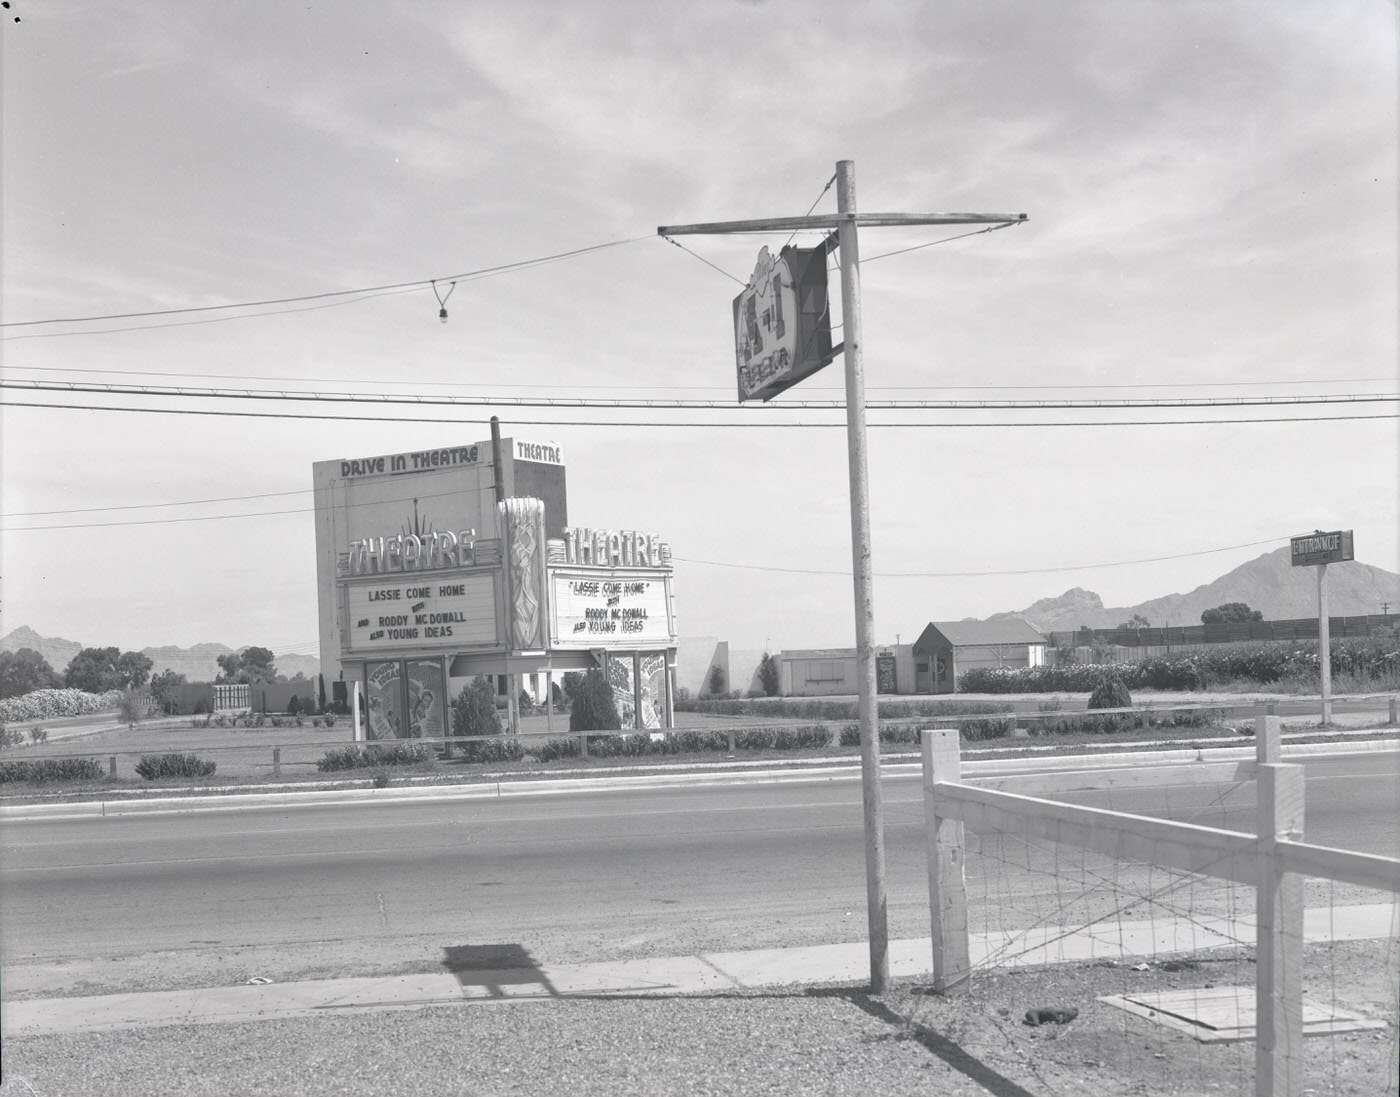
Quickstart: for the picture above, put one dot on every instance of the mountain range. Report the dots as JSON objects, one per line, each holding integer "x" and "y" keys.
{"x": 1268, "y": 583}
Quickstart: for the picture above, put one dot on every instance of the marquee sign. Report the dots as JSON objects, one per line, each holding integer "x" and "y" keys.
{"x": 450, "y": 610}
{"x": 782, "y": 322}
{"x": 601, "y": 611}
{"x": 1312, "y": 549}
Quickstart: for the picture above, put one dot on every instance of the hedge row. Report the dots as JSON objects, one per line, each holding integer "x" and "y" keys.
{"x": 405, "y": 753}
{"x": 50, "y": 704}
{"x": 51, "y": 769}
{"x": 1371, "y": 659}
{"x": 825, "y": 708}
{"x": 153, "y": 766}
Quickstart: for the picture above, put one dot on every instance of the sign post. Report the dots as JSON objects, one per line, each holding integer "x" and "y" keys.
{"x": 1318, "y": 549}
{"x": 764, "y": 373}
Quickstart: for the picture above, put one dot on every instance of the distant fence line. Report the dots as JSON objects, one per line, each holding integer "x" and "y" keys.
{"x": 1298, "y": 628}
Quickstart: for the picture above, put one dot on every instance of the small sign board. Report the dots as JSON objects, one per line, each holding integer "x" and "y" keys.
{"x": 1311, "y": 549}
{"x": 782, "y": 322}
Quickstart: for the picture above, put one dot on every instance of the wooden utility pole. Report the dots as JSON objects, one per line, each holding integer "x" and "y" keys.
{"x": 845, "y": 222}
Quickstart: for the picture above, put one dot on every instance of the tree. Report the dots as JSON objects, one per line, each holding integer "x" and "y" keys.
{"x": 164, "y": 687}
{"x": 572, "y": 680}
{"x": 594, "y": 708}
{"x": 1111, "y": 692}
{"x": 1230, "y": 613}
{"x": 474, "y": 710}
{"x": 1136, "y": 621}
{"x": 24, "y": 671}
{"x": 250, "y": 666}
{"x": 94, "y": 670}
{"x": 716, "y": 680}
{"x": 134, "y": 668}
{"x": 768, "y": 675}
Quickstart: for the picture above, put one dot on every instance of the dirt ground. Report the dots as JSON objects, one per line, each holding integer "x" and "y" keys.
{"x": 1105, "y": 1050}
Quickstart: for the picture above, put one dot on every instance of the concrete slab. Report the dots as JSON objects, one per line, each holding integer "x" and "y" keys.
{"x": 706, "y": 973}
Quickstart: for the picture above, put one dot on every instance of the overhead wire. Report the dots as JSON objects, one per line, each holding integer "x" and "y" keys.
{"x": 752, "y": 422}
{"x": 417, "y": 283}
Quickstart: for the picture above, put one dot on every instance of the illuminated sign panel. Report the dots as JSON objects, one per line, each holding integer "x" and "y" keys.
{"x": 1322, "y": 548}
{"x": 428, "y": 611}
{"x": 604, "y": 609}
{"x": 782, "y": 322}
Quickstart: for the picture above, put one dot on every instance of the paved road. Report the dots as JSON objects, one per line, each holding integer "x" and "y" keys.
{"x": 287, "y": 892}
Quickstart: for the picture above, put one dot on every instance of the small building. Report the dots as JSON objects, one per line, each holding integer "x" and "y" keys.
{"x": 826, "y": 672}
{"x": 947, "y": 649}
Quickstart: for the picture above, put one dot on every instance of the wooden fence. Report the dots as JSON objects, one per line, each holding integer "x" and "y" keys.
{"x": 1273, "y": 860}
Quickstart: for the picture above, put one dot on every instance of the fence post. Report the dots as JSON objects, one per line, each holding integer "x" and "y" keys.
{"x": 277, "y": 761}
{"x": 1278, "y": 1005}
{"x": 731, "y": 733}
{"x": 1394, "y": 711}
{"x": 112, "y": 765}
{"x": 947, "y": 889}
{"x": 583, "y": 746}
{"x": 1268, "y": 739}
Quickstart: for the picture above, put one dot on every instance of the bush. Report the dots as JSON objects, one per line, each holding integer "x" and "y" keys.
{"x": 48, "y": 704}
{"x": 502, "y": 749}
{"x": 396, "y": 753}
{"x": 51, "y": 769}
{"x": 153, "y": 766}
{"x": 474, "y": 710}
{"x": 1110, "y": 692}
{"x": 593, "y": 708}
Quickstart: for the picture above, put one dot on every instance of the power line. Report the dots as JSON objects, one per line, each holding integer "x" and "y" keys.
{"x": 675, "y": 404}
{"x": 552, "y": 385}
{"x": 753, "y": 423}
{"x": 417, "y": 283}
{"x": 984, "y": 574}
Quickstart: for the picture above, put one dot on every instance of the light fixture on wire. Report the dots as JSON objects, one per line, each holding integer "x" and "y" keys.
{"x": 442, "y": 299}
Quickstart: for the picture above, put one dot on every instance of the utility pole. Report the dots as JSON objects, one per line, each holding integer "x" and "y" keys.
{"x": 845, "y": 223}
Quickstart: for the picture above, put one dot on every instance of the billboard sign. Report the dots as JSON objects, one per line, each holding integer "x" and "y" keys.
{"x": 609, "y": 610}
{"x": 782, "y": 322}
{"x": 442, "y": 610}
{"x": 1311, "y": 549}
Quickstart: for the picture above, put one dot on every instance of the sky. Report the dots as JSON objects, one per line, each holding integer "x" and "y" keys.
{"x": 1211, "y": 201}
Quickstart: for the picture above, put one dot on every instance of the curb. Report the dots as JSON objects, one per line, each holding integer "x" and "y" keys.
{"x": 819, "y": 772}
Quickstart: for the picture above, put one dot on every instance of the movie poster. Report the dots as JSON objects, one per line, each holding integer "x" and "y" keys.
{"x": 652, "y": 689}
{"x": 623, "y": 689}
{"x": 384, "y": 700}
{"x": 427, "y": 699}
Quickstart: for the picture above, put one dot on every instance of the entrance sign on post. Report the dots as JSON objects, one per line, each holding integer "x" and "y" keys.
{"x": 1318, "y": 549}
{"x": 1322, "y": 548}
{"x": 766, "y": 303}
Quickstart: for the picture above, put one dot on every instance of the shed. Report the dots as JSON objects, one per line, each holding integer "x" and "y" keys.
{"x": 947, "y": 649}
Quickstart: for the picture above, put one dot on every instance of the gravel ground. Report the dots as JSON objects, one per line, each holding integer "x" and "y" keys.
{"x": 801, "y": 1039}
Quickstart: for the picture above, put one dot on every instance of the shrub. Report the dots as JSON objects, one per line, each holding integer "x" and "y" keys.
{"x": 1110, "y": 692}
{"x": 38, "y": 735}
{"x": 153, "y": 766}
{"x": 768, "y": 675}
{"x": 474, "y": 710}
{"x": 396, "y": 753}
{"x": 525, "y": 703}
{"x": 502, "y": 749}
{"x": 293, "y": 705}
{"x": 593, "y": 708}
{"x": 555, "y": 749}
{"x": 48, "y": 704}
{"x": 51, "y": 769}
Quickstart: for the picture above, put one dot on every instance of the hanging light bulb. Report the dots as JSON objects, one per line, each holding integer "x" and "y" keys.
{"x": 442, "y": 299}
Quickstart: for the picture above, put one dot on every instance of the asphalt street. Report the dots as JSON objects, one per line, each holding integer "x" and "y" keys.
{"x": 611, "y": 874}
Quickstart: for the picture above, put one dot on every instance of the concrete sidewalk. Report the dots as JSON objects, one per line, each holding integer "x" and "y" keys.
{"x": 708, "y": 973}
